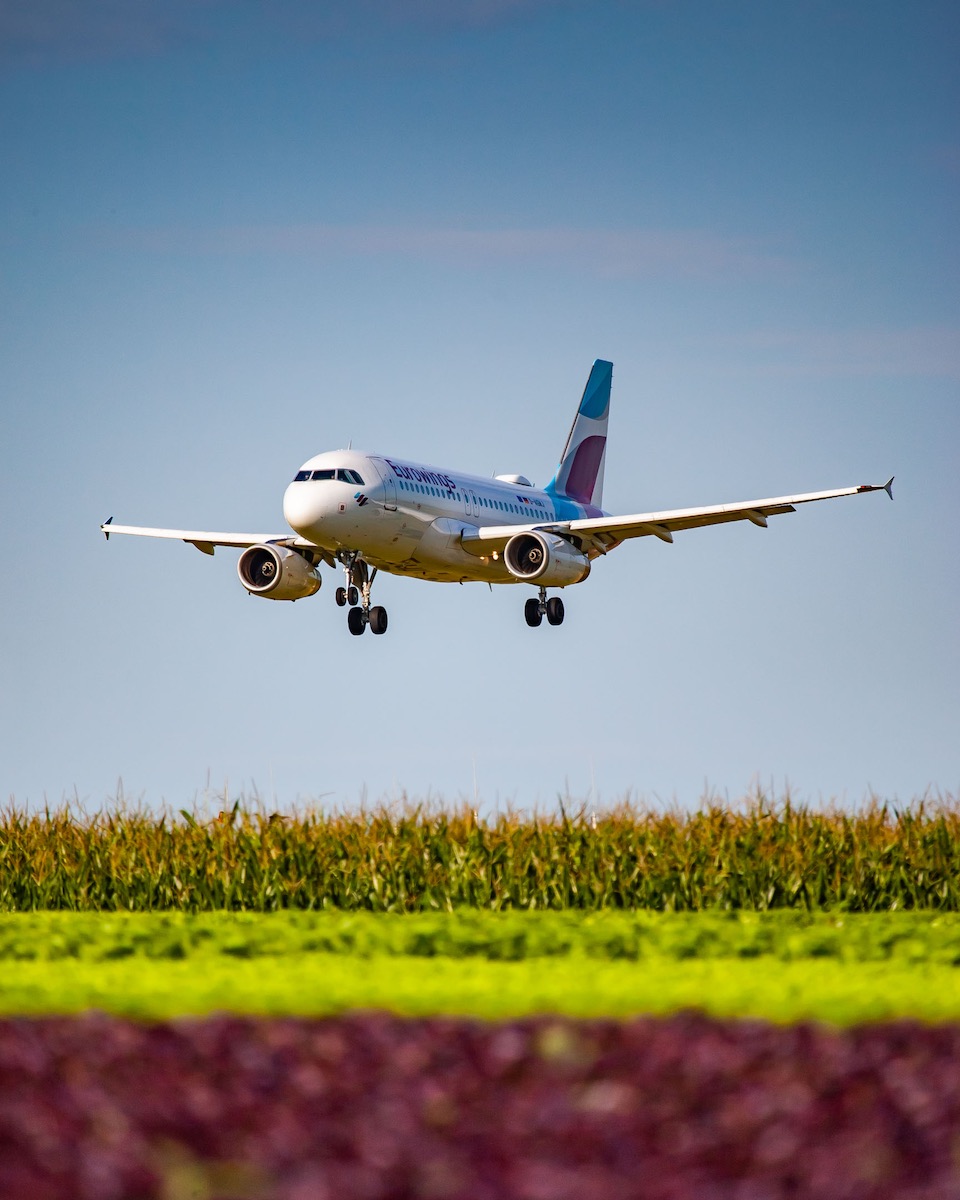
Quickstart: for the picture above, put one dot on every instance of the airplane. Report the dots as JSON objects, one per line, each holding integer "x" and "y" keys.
{"x": 377, "y": 512}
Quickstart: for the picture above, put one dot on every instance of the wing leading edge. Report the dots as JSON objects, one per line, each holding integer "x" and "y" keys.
{"x": 206, "y": 542}
{"x": 597, "y": 535}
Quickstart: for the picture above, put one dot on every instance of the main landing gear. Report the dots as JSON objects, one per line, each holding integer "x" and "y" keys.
{"x": 359, "y": 583}
{"x": 535, "y": 610}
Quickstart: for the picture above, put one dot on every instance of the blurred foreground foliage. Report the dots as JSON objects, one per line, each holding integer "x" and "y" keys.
{"x": 762, "y": 855}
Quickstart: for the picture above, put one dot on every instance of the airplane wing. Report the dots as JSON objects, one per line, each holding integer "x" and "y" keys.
{"x": 598, "y": 535}
{"x": 206, "y": 541}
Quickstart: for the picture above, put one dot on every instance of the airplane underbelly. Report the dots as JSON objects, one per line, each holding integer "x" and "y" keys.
{"x": 440, "y": 556}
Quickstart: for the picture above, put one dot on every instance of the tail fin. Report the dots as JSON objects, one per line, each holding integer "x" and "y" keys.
{"x": 579, "y": 476}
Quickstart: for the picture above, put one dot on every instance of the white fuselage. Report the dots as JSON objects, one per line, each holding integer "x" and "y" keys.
{"x": 408, "y": 518}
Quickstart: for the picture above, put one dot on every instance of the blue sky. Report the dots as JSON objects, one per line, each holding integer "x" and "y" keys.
{"x": 233, "y": 235}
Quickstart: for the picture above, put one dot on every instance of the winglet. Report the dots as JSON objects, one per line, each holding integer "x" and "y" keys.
{"x": 106, "y": 531}
{"x": 878, "y": 487}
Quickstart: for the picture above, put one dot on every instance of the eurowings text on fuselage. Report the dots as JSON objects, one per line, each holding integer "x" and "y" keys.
{"x": 371, "y": 512}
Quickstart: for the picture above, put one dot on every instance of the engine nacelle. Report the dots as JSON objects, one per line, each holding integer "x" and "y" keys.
{"x": 277, "y": 573}
{"x": 546, "y": 559}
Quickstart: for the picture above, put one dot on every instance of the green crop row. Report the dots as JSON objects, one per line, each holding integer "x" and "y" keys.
{"x": 779, "y": 966}
{"x": 784, "y": 935}
{"x": 762, "y": 856}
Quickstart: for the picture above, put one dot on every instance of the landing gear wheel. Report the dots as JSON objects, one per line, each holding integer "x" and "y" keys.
{"x": 355, "y": 621}
{"x": 378, "y": 619}
{"x": 352, "y": 595}
{"x": 555, "y": 610}
{"x": 340, "y": 595}
{"x": 531, "y": 613}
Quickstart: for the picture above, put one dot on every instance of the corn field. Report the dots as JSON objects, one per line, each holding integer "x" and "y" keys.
{"x": 764, "y": 855}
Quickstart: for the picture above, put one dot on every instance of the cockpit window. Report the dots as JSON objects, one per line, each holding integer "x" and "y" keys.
{"x": 345, "y": 475}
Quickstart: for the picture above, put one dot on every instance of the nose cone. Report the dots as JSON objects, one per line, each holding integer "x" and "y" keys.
{"x": 303, "y": 508}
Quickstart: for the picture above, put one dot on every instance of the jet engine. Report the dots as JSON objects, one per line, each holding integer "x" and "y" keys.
{"x": 546, "y": 559}
{"x": 277, "y": 573}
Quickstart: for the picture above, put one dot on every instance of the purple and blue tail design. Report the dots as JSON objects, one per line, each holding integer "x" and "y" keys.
{"x": 579, "y": 476}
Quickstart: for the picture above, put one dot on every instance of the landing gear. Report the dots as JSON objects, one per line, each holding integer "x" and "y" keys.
{"x": 535, "y": 610}
{"x": 357, "y": 595}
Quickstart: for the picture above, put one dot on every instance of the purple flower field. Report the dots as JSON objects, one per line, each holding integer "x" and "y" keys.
{"x": 375, "y": 1106}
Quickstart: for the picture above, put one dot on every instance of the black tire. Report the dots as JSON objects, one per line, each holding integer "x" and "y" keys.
{"x": 355, "y": 622}
{"x": 531, "y": 613}
{"x": 352, "y": 595}
{"x": 378, "y": 619}
{"x": 341, "y": 596}
{"x": 555, "y": 610}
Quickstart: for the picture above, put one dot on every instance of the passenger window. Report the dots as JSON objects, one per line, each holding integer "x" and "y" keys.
{"x": 301, "y": 476}
{"x": 327, "y": 473}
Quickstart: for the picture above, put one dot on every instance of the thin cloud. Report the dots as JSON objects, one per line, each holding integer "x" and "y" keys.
{"x": 639, "y": 253}
{"x": 928, "y": 351}
{"x": 431, "y": 14}
{"x": 40, "y": 32}
{"x": 946, "y": 156}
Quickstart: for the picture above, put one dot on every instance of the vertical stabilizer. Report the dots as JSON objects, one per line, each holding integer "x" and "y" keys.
{"x": 579, "y": 476}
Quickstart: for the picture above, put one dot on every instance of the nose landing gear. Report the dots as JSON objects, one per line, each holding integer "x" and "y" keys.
{"x": 535, "y": 610}
{"x": 359, "y": 583}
